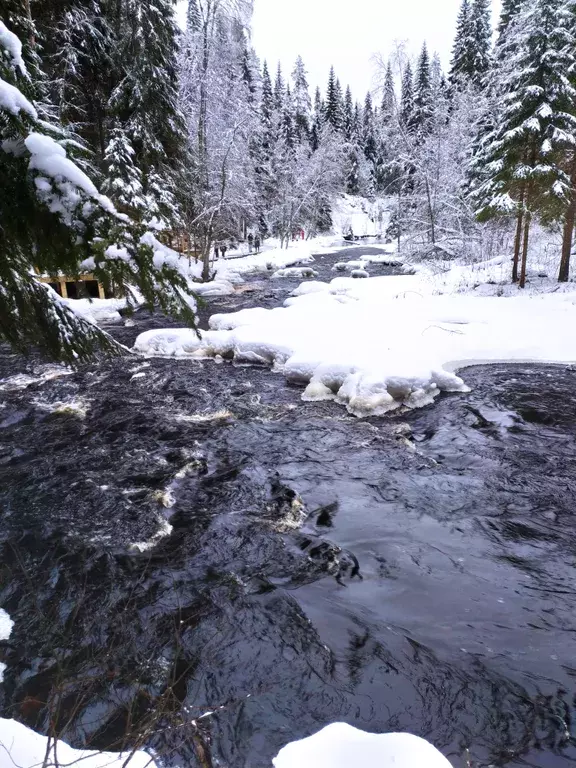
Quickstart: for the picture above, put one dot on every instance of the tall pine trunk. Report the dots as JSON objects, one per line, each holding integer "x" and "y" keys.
{"x": 568, "y": 235}
{"x": 527, "y": 221}
{"x": 518, "y": 238}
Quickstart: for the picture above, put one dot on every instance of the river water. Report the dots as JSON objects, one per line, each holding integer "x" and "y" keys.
{"x": 198, "y": 562}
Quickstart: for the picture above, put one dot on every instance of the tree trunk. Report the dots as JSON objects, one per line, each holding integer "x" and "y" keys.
{"x": 568, "y": 235}
{"x": 527, "y": 220}
{"x": 518, "y": 239}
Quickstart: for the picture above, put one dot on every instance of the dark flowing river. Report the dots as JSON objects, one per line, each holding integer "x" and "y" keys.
{"x": 415, "y": 572}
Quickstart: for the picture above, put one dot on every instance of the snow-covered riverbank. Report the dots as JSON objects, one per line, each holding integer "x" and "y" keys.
{"x": 376, "y": 344}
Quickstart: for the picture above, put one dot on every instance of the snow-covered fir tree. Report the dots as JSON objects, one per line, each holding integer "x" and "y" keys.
{"x": 301, "y": 101}
{"x": 471, "y": 55}
{"x": 423, "y": 105}
{"x": 517, "y": 170}
{"x": 54, "y": 220}
{"x": 333, "y": 109}
{"x": 407, "y": 107}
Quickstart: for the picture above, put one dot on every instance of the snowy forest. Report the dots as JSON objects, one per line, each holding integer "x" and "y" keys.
{"x": 120, "y": 129}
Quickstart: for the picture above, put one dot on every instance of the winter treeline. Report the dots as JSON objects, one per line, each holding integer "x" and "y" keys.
{"x": 490, "y": 141}
{"x": 495, "y": 142}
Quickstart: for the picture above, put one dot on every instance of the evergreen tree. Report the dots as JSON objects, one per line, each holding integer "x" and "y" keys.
{"x": 369, "y": 131}
{"x": 348, "y": 117}
{"x": 461, "y": 66}
{"x": 481, "y": 30}
{"x": 510, "y": 9}
{"x": 318, "y": 120}
{"x": 389, "y": 94}
{"x": 267, "y": 108}
{"x": 334, "y": 102}
{"x": 423, "y": 106}
{"x": 279, "y": 89}
{"x": 471, "y": 59}
{"x": 123, "y": 178}
{"x": 193, "y": 17}
{"x": 145, "y": 101}
{"x": 516, "y": 169}
{"x": 287, "y": 126}
{"x": 407, "y": 98}
{"x": 302, "y": 102}
{"x": 54, "y": 219}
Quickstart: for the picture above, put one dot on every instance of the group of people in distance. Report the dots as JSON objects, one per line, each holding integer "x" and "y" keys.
{"x": 254, "y": 244}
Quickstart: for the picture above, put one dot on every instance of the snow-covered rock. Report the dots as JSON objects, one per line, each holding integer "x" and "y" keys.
{"x": 218, "y": 287}
{"x": 295, "y": 272}
{"x": 359, "y": 273}
{"x": 341, "y": 746}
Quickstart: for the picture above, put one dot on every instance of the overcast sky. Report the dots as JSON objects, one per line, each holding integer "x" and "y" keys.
{"x": 349, "y": 33}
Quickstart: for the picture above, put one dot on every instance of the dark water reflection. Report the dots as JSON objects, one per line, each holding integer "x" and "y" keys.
{"x": 459, "y": 626}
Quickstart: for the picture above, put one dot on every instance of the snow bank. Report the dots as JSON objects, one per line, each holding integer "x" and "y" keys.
{"x": 341, "y": 746}
{"x": 22, "y": 747}
{"x": 377, "y": 344}
{"x": 97, "y": 310}
{"x": 6, "y": 625}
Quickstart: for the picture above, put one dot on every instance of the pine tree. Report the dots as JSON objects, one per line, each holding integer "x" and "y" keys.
{"x": 423, "y": 106}
{"x": 510, "y": 9}
{"x": 389, "y": 94}
{"x": 193, "y": 17}
{"x": 53, "y": 219}
{"x": 568, "y": 161}
{"x": 481, "y": 29}
{"x": 471, "y": 58}
{"x": 145, "y": 101}
{"x": 302, "y": 102}
{"x": 348, "y": 117}
{"x": 123, "y": 183}
{"x": 369, "y": 131}
{"x": 279, "y": 89}
{"x": 516, "y": 168}
{"x": 318, "y": 120}
{"x": 461, "y": 66}
{"x": 268, "y": 106}
{"x": 407, "y": 99}
{"x": 334, "y": 102}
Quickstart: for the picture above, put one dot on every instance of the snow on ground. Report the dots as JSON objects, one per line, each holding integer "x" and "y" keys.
{"x": 20, "y": 747}
{"x": 376, "y": 344}
{"x": 6, "y": 625}
{"x": 340, "y": 746}
{"x": 97, "y": 310}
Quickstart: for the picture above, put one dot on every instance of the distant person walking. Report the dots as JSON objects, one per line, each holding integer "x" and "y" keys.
{"x": 257, "y": 243}
{"x": 223, "y": 249}
{"x": 250, "y": 242}
{"x": 216, "y": 251}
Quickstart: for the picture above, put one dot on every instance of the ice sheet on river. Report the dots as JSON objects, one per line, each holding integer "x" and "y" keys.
{"x": 374, "y": 345}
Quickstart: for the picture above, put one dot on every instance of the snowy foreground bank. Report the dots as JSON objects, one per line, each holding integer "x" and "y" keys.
{"x": 377, "y": 344}
{"x": 336, "y": 746}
